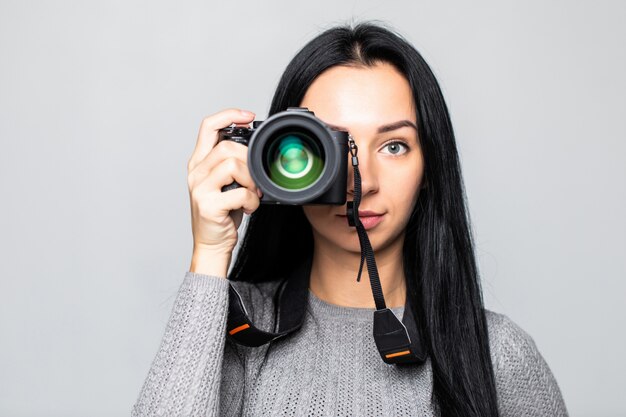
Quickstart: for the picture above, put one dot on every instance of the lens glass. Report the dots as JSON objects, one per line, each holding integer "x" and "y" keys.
{"x": 294, "y": 160}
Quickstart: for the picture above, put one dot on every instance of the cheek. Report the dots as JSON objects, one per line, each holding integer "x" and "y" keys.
{"x": 324, "y": 221}
{"x": 404, "y": 186}
{"x": 316, "y": 215}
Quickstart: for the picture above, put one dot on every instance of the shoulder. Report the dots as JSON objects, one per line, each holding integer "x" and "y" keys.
{"x": 524, "y": 380}
{"x": 512, "y": 348}
{"x": 508, "y": 341}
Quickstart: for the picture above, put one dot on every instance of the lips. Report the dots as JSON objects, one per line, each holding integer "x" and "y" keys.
{"x": 368, "y": 218}
{"x": 367, "y": 213}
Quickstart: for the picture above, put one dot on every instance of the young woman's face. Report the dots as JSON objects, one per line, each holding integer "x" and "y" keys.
{"x": 375, "y": 104}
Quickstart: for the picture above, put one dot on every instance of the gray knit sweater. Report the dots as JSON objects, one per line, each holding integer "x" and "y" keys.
{"x": 330, "y": 367}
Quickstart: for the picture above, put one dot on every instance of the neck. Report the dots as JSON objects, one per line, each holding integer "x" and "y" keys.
{"x": 334, "y": 272}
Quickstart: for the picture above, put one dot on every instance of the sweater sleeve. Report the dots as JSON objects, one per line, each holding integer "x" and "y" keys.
{"x": 524, "y": 382}
{"x": 186, "y": 375}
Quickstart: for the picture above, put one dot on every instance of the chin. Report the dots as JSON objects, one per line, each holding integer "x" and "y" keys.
{"x": 351, "y": 242}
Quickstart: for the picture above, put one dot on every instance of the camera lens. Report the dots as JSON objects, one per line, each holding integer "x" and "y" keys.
{"x": 294, "y": 160}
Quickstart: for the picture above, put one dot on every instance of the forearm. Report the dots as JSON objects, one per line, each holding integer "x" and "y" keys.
{"x": 185, "y": 376}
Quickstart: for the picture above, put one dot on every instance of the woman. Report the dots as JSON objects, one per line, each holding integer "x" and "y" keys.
{"x": 372, "y": 83}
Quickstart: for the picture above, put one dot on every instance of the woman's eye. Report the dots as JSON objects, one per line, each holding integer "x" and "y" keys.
{"x": 396, "y": 148}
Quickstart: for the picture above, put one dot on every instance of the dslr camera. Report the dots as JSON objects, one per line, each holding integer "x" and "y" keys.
{"x": 294, "y": 158}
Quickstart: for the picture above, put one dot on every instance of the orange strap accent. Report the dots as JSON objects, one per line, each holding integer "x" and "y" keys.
{"x": 393, "y": 355}
{"x": 238, "y": 329}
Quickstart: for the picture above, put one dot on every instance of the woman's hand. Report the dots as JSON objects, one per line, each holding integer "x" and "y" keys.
{"x": 216, "y": 215}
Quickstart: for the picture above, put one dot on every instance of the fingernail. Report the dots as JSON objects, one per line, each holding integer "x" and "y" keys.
{"x": 246, "y": 113}
{"x": 259, "y": 193}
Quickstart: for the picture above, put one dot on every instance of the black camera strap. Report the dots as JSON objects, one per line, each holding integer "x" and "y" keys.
{"x": 397, "y": 341}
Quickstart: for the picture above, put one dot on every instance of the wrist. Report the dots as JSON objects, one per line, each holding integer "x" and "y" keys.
{"x": 209, "y": 261}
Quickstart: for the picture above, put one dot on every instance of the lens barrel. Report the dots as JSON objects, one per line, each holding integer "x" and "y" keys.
{"x": 295, "y": 158}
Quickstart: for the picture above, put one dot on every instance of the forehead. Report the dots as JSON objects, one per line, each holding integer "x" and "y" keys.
{"x": 361, "y": 97}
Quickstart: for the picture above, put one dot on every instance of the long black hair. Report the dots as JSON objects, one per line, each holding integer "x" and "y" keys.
{"x": 438, "y": 254}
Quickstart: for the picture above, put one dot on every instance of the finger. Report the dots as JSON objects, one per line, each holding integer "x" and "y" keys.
{"x": 221, "y": 205}
{"x": 240, "y": 198}
{"x": 207, "y": 135}
{"x": 221, "y": 152}
{"x": 227, "y": 171}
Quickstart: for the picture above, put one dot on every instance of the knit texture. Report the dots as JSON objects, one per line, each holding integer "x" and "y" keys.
{"x": 330, "y": 367}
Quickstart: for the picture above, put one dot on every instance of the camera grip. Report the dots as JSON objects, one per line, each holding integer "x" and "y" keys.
{"x": 233, "y": 185}
{"x": 235, "y": 134}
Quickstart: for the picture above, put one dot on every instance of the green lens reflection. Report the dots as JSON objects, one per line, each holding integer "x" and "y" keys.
{"x": 295, "y": 161}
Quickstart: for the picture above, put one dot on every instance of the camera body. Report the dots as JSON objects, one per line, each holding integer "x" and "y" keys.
{"x": 294, "y": 158}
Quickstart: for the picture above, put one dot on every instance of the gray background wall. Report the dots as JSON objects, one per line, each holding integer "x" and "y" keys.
{"x": 100, "y": 103}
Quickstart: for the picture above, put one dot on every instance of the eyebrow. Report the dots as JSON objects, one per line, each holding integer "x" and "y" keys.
{"x": 384, "y": 128}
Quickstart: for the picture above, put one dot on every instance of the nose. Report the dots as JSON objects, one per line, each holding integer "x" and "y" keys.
{"x": 369, "y": 174}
